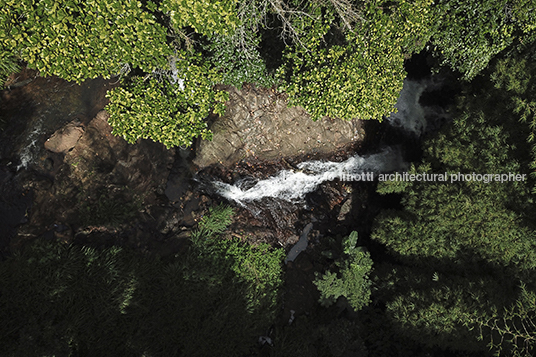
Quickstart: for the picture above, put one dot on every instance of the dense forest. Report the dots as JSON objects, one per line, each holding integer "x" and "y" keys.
{"x": 448, "y": 269}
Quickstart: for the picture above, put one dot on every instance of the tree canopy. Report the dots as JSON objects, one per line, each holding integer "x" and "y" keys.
{"x": 339, "y": 59}
{"x": 463, "y": 278}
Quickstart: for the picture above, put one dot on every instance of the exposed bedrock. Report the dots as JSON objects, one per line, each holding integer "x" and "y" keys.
{"x": 258, "y": 123}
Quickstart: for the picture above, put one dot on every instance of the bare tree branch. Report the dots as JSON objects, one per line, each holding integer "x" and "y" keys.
{"x": 347, "y": 12}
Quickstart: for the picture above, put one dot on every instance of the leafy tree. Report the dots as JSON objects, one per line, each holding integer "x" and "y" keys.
{"x": 77, "y": 39}
{"x": 8, "y": 65}
{"x": 352, "y": 281}
{"x": 170, "y": 109}
{"x": 470, "y": 33}
{"x": 329, "y": 70}
{"x": 206, "y": 17}
{"x": 237, "y": 59}
{"x": 334, "y": 49}
{"x": 340, "y": 58}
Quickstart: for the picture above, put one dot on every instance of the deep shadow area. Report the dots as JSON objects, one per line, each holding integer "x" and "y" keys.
{"x": 272, "y": 46}
{"x": 72, "y": 300}
{"x": 419, "y": 65}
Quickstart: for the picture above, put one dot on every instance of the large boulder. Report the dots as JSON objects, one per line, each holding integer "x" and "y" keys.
{"x": 65, "y": 138}
{"x": 259, "y": 123}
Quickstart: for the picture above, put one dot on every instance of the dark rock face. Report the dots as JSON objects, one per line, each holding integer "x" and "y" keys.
{"x": 259, "y": 124}
{"x": 102, "y": 180}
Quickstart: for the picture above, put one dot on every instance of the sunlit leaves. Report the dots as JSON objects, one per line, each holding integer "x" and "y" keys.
{"x": 206, "y": 17}
{"x": 359, "y": 75}
{"x": 170, "y": 113}
{"x": 351, "y": 279}
{"x": 84, "y": 39}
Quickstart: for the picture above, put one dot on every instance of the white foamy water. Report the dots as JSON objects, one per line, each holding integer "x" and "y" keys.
{"x": 292, "y": 185}
{"x": 30, "y": 150}
{"x": 410, "y": 115}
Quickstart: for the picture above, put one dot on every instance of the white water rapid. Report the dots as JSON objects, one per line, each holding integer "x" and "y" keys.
{"x": 30, "y": 150}
{"x": 292, "y": 186}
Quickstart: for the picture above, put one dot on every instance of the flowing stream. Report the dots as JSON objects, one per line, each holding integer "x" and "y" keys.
{"x": 293, "y": 185}
{"x": 273, "y": 195}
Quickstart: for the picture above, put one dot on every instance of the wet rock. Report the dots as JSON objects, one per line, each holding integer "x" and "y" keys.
{"x": 258, "y": 123}
{"x": 101, "y": 158}
{"x": 205, "y": 200}
{"x": 293, "y": 239}
{"x": 167, "y": 218}
{"x": 96, "y": 187}
{"x": 103, "y": 181}
{"x": 65, "y": 138}
{"x": 191, "y": 205}
{"x": 63, "y": 232}
{"x": 301, "y": 245}
{"x": 176, "y": 187}
{"x": 48, "y": 164}
{"x": 345, "y": 209}
{"x": 188, "y": 221}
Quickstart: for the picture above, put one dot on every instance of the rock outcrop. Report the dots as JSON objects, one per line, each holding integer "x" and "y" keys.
{"x": 258, "y": 123}
{"x": 100, "y": 181}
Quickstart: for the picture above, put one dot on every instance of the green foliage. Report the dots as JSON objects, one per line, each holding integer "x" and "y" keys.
{"x": 57, "y": 299}
{"x": 465, "y": 312}
{"x": 470, "y": 33}
{"x": 436, "y": 309}
{"x": 237, "y": 59}
{"x": 83, "y": 39}
{"x": 8, "y": 65}
{"x": 514, "y": 330}
{"x": 329, "y": 71}
{"x": 464, "y": 246}
{"x": 169, "y": 113}
{"x": 446, "y": 219}
{"x": 257, "y": 267}
{"x": 515, "y": 76}
{"x": 205, "y": 17}
{"x": 352, "y": 281}
{"x": 340, "y": 59}
{"x": 216, "y": 221}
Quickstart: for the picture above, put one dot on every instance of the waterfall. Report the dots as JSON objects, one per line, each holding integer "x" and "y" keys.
{"x": 410, "y": 114}
{"x": 293, "y": 185}
{"x": 31, "y": 148}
